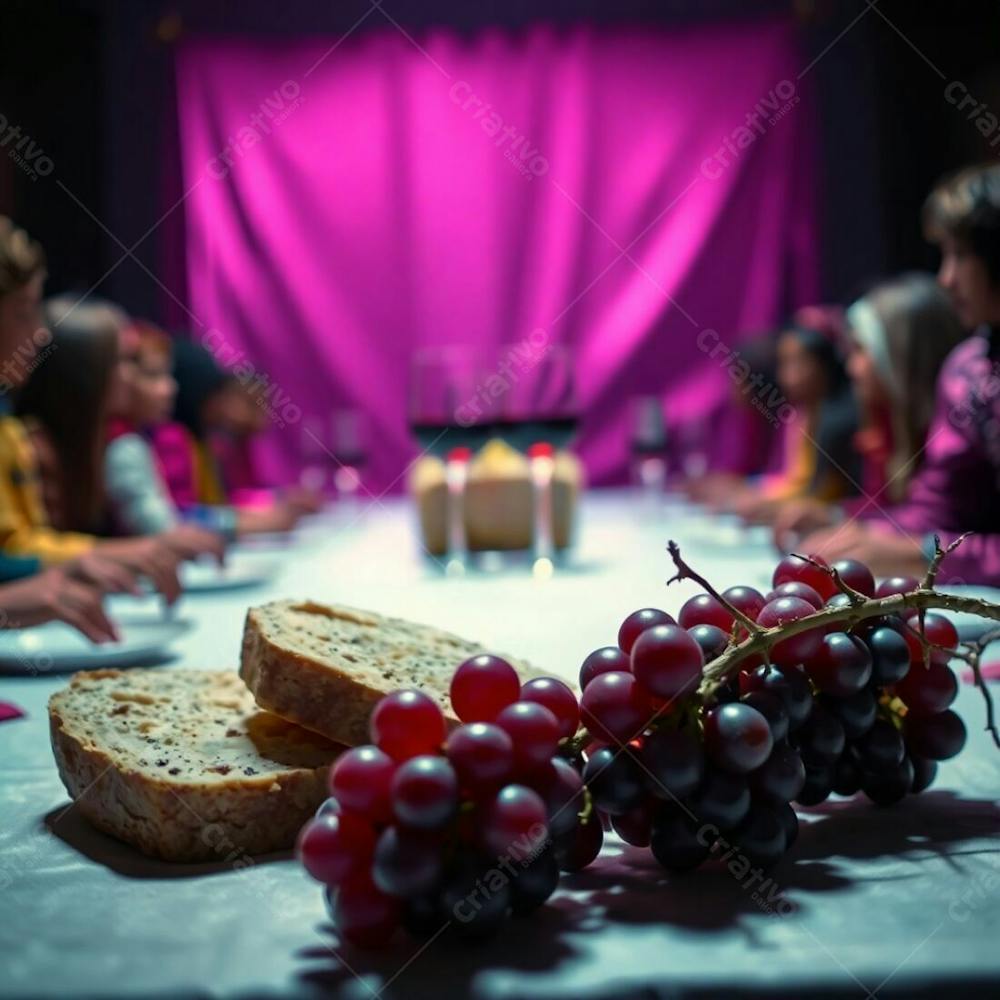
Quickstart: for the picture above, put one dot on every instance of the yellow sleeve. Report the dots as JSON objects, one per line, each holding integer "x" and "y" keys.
{"x": 24, "y": 527}
{"x": 798, "y": 475}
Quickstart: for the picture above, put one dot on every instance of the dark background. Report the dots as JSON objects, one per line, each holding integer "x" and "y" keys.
{"x": 90, "y": 81}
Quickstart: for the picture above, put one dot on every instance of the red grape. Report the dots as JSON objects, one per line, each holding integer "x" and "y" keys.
{"x": 363, "y": 914}
{"x": 425, "y": 792}
{"x": 928, "y": 690}
{"x": 703, "y": 609}
{"x": 737, "y": 737}
{"x": 637, "y": 623}
{"x": 799, "y": 648}
{"x": 533, "y": 730}
{"x": 603, "y": 661}
{"x": 842, "y": 666}
{"x": 795, "y": 568}
{"x": 515, "y": 822}
{"x": 360, "y": 780}
{"x": 407, "y": 723}
{"x": 482, "y": 687}
{"x": 614, "y": 708}
{"x": 482, "y": 754}
{"x": 558, "y": 698}
{"x": 856, "y": 575}
{"x": 745, "y": 599}
{"x": 795, "y": 588}
{"x": 333, "y": 846}
{"x": 896, "y": 585}
{"x": 938, "y": 630}
{"x": 667, "y": 661}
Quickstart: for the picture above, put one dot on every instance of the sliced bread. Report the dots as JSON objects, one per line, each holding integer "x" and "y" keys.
{"x": 183, "y": 765}
{"x": 326, "y": 667}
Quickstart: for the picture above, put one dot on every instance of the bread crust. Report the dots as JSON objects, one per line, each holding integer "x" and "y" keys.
{"x": 221, "y": 817}
{"x": 295, "y": 676}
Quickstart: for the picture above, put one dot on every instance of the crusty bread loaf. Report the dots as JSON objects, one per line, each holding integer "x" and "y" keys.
{"x": 183, "y": 765}
{"x": 326, "y": 667}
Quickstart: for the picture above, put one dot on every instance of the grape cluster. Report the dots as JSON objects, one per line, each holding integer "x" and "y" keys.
{"x": 426, "y": 828}
{"x": 830, "y": 712}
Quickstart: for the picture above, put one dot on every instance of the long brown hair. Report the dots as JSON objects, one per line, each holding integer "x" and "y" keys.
{"x": 921, "y": 328}
{"x": 68, "y": 395}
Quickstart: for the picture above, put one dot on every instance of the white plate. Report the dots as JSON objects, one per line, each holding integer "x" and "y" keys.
{"x": 56, "y": 647}
{"x": 971, "y": 626}
{"x": 207, "y": 577}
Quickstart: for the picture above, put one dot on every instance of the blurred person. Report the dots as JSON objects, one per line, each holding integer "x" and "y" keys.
{"x": 900, "y": 334}
{"x": 819, "y": 458}
{"x": 204, "y": 455}
{"x": 957, "y": 487}
{"x": 55, "y": 503}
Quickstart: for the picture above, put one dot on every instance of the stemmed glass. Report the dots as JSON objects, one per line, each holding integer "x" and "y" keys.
{"x": 348, "y": 452}
{"x": 539, "y": 417}
{"x": 445, "y": 418}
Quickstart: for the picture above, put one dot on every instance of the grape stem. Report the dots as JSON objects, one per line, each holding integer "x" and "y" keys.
{"x": 684, "y": 572}
{"x": 761, "y": 640}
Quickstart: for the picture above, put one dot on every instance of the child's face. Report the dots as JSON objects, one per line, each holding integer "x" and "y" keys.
{"x": 868, "y": 387}
{"x": 20, "y": 322}
{"x": 966, "y": 279}
{"x": 799, "y": 374}
{"x": 153, "y": 388}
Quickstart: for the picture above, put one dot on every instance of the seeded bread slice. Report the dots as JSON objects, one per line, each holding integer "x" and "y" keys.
{"x": 183, "y": 765}
{"x": 326, "y": 667}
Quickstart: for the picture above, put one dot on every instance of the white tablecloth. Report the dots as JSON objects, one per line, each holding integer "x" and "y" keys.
{"x": 870, "y": 902}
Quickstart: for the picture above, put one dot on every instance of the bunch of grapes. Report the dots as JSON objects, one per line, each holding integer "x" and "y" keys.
{"x": 427, "y": 828}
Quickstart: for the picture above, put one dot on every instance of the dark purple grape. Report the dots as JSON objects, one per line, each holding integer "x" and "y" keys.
{"x": 673, "y": 763}
{"x": 846, "y": 776}
{"x": 761, "y": 836}
{"x": 634, "y": 826}
{"x": 821, "y": 739}
{"x": 615, "y": 780}
{"x": 772, "y": 708}
{"x": 890, "y": 785}
{"x": 737, "y": 737}
{"x": 781, "y": 777}
{"x": 924, "y": 773}
{"x": 406, "y": 863}
{"x": 839, "y": 600}
{"x": 424, "y": 792}
{"x": 842, "y": 666}
{"x": 790, "y": 822}
{"x": 856, "y": 575}
{"x": 534, "y": 883}
{"x": 677, "y": 842}
{"x": 423, "y": 916}
{"x": 605, "y": 660}
{"x": 578, "y": 848}
{"x": 819, "y": 784}
{"x": 856, "y": 713}
{"x": 474, "y": 914}
{"x": 791, "y": 686}
{"x": 890, "y": 656}
{"x": 881, "y": 748}
{"x": 937, "y": 737}
{"x": 561, "y": 788}
{"x": 723, "y": 799}
{"x": 711, "y": 639}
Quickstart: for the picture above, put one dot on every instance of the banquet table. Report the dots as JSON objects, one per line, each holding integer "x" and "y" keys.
{"x": 869, "y": 903}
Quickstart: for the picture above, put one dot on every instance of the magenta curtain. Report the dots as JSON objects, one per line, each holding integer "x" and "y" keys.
{"x": 348, "y": 206}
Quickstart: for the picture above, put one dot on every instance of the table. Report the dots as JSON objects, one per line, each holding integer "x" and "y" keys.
{"x": 873, "y": 902}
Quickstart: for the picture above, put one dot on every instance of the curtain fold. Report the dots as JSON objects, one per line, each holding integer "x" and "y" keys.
{"x": 350, "y": 206}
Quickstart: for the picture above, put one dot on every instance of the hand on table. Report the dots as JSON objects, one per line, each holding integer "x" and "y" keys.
{"x": 795, "y": 518}
{"x": 54, "y": 595}
{"x": 303, "y": 500}
{"x": 149, "y": 556}
{"x": 885, "y": 551}
{"x": 189, "y": 541}
{"x": 107, "y": 574}
{"x": 279, "y": 517}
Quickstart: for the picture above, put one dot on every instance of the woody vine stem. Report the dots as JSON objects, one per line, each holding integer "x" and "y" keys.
{"x": 759, "y": 640}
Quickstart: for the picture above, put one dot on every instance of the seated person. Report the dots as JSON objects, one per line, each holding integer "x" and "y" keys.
{"x": 957, "y": 487}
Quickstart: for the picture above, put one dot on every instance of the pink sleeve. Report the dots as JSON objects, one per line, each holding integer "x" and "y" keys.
{"x": 175, "y": 455}
{"x": 976, "y": 560}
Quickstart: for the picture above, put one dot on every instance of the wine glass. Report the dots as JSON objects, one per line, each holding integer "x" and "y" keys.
{"x": 348, "y": 451}
{"x": 313, "y": 457}
{"x": 539, "y": 416}
{"x": 444, "y": 419}
{"x": 647, "y": 445}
